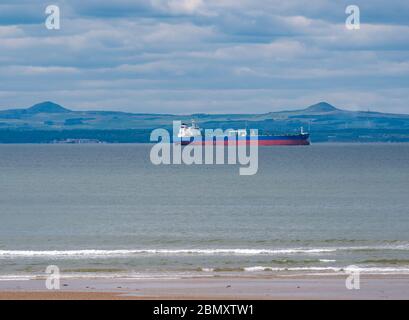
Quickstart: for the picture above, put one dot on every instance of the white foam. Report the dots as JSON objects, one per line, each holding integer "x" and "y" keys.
{"x": 107, "y": 253}
{"x": 261, "y": 268}
{"x": 371, "y": 270}
{"x": 95, "y": 253}
{"x": 403, "y": 247}
{"x": 379, "y": 270}
{"x": 91, "y": 275}
{"x": 13, "y": 277}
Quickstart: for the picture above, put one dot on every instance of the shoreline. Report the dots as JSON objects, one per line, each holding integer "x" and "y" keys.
{"x": 104, "y": 143}
{"x": 308, "y": 287}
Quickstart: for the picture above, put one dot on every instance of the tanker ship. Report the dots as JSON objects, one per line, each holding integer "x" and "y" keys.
{"x": 193, "y": 135}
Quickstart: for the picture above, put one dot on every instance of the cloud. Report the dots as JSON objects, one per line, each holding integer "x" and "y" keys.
{"x": 179, "y": 6}
{"x": 204, "y": 56}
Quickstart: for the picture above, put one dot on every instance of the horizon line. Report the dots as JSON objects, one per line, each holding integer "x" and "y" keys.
{"x": 202, "y": 113}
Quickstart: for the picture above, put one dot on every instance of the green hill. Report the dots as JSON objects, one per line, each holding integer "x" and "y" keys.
{"x": 48, "y": 121}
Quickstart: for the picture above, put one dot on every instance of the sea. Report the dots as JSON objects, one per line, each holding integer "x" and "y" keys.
{"x": 104, "y": 210}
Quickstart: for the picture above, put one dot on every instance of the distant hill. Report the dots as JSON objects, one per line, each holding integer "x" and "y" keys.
{"x": 47, "y": 107}
{"x": 321, "y": 107}
{"x": 48, "y": 121}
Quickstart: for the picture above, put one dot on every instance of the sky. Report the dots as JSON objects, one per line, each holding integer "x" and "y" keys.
{"x": 205, "y": 56}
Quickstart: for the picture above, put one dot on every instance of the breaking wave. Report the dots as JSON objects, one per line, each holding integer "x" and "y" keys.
{"x": 369, "y": 270}
{"x": 108, "y": 253}
{"x": 127, "y": 253}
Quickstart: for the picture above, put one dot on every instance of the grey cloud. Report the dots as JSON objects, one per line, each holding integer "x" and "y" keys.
{"x": 205, "y": 56}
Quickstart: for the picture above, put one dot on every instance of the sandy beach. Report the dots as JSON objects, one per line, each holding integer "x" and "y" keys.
{"x": 293, "y": 287}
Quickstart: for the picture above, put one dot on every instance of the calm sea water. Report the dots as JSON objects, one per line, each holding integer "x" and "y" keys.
{"x": 106, "y": 210}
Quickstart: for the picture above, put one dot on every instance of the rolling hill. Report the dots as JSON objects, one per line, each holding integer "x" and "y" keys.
{"x": 47, "y": 121}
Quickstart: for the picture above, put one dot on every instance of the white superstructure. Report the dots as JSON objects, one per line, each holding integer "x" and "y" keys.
{"x": 188, "y": 132}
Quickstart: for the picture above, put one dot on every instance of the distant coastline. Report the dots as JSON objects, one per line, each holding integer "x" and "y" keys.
{"x": 48, "y": 122}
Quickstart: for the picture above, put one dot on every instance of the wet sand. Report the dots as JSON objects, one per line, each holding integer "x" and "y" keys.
{"x": 299, "y": 287}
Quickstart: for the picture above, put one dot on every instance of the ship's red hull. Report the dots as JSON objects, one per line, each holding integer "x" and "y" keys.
{"x": 285, "y": 140}
{"x": 260, "y": 143}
